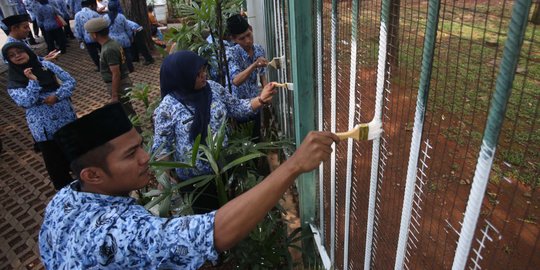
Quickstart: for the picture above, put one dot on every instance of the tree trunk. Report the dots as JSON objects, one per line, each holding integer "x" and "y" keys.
{"x": 136, "y": 11}
{"x": 536, "y": 13}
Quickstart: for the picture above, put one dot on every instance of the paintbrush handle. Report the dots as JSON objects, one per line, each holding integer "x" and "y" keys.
{"x": 347, "y": 134}
{"x": 359, "y": 133}
{"x": 284, "y": 85}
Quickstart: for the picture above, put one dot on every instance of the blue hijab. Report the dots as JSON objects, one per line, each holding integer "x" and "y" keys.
{"x": 177, "y": 79}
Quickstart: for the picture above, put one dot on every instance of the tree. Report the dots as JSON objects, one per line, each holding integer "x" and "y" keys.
{"x": 536, "y": 13}
{"x": 136, "y": 11}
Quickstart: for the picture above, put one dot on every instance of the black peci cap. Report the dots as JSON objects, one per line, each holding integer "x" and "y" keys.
{"x": 15, "y": 19}
{"x": 92, "y": 130}
{"x": 237, "y": 24}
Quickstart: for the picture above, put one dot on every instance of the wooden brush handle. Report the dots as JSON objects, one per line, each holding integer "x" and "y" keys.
{"x": 345, "y": 135}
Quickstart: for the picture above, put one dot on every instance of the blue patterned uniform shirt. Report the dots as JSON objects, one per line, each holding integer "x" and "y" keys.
{"x": 45, "y": 15}
{"x": 74, "y": 5}
{"x": 84, "y": 230}
{"x": 173, "y": 122}
{"x": 12, "y": 39}
{"x": 134, "y": 27}
{"x": 81, "y": 18}
{"x": 239, "y": 61}
{"x": 31, "y": 7}
{"x": 61, "y": 7}
{"x": 44, "y": 120}
{"x": 120, "y": 31}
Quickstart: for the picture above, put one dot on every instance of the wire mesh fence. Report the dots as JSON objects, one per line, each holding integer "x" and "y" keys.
{"x": 361, "y": 204}
{"x": 277, "y": 37}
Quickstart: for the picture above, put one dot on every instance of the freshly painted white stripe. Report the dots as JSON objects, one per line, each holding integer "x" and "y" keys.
{"x": 410, "y": 184}
{"x": 333, "y": 89}
{"x": 383, "y": 35}
{"x": 474, "y": 204}
{"x": 348, "y": 181}
{"x": 320, "y": 113}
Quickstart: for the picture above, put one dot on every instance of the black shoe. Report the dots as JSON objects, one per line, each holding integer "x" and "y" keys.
{"x": 146, "y": 63}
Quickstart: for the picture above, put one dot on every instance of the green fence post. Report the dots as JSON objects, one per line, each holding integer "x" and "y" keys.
{"x": 301, "y": 42}
{"x": 497, "y": 111}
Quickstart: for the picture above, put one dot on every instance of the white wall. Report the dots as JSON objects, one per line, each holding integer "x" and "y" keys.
{"x": 160, "y": 9}
{"x": 255, "y": 11}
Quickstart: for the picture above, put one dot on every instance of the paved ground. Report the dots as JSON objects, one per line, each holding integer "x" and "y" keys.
{"x": 24, "y": 185}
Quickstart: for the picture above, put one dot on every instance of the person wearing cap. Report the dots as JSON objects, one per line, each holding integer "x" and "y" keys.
{"x": 94, "y": 224}
{"x": 18, "y": 28}
{"x": 247, "y": 61}
{"x": 247, "y": 64}
{"x": 87, "y": 13}
{"x": 112, "y": 61}
{"x": 44, "y": 90}
{"x": 53, "y": 32}
{"x": 190, "y": 104}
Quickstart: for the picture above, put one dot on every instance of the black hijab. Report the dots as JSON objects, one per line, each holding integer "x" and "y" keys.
{"x": 113, "y": 7}
{"x": 177, "y": 79}
{"x": 17, "y": 79}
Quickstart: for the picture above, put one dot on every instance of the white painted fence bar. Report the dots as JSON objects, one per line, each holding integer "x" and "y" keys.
{"x": 333, "y": 100}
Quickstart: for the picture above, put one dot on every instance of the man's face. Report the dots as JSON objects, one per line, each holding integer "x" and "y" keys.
{"x": 127, "y": 164}
{"x": 21, "y": 30}
{"x": 245, "y": 39}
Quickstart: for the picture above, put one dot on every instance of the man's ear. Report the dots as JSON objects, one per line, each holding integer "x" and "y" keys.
{"x": 92, "y": 175}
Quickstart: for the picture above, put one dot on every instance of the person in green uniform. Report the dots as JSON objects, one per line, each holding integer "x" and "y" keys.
{"x": 113, "y": 65}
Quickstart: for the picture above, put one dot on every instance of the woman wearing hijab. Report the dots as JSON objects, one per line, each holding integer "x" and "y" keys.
{"x": 120, "y": 30}
{"x": 43, "y": 89}
{"x": 189, "y": 104}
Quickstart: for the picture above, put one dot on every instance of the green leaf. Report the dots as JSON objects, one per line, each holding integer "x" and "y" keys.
{"x": 210, "y": 158}
{"x": 152, "y": 193}
{"x": 220, "y": 137}
{"x": 241, "y": 160}
{"x": 170, "y": 164}
{"x": 155, "y": 201}
{"x": 165, "y": 206}
{"x": 204, "y": 182}
{"x": 163, "y": 179}
{"x": 191, "y": 181}
{"x": 195, "y": 149}
{"x": 154, "y": 153}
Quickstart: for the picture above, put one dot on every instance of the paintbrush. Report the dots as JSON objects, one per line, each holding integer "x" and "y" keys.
{"x": 363, "y": 132}
{"x": 288, "y": 85}
{"x": 277, "y": 62}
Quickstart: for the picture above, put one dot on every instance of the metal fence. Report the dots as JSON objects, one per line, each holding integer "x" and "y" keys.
{"x": 452, "y": 182}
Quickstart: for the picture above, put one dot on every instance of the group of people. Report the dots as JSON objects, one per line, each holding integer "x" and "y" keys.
{"x": 92, "y": 222}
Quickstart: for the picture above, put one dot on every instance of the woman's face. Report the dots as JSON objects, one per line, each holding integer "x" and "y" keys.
{"x": 200, "y": 81}
{"x": 17, "y": 56}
